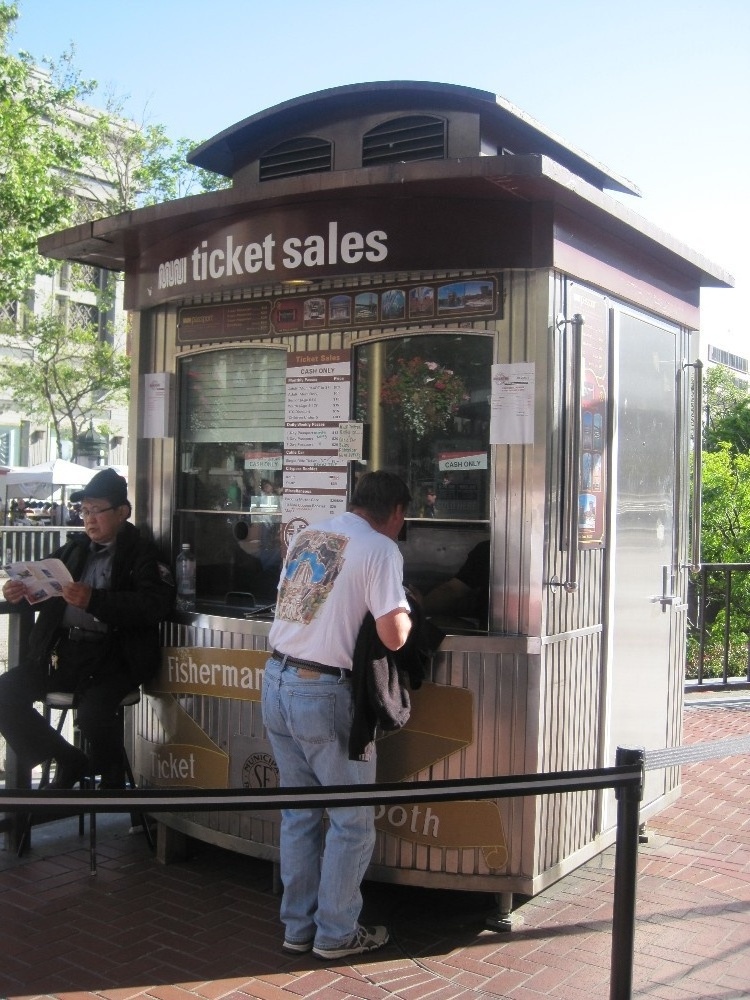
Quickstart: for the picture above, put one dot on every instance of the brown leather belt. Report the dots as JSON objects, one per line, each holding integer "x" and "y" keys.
{"x": 293, "y": 661}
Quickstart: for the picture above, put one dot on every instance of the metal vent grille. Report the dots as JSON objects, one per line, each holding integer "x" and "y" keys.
{"x": 307, "y": 155}
{"x": 415, "y": 137}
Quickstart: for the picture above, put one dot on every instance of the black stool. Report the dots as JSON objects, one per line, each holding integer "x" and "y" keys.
{"x": 62, "y": 702}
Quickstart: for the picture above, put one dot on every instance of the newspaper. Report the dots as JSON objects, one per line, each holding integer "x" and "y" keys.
{"x": 43, "y": 578}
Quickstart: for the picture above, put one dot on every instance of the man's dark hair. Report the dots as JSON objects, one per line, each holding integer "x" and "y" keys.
{"x": 379, "y": 493}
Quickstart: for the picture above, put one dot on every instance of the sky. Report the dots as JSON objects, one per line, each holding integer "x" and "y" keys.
{"x": 656, "y": 90}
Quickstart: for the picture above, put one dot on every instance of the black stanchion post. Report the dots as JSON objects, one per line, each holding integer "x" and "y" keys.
{"x": 626, "y": 877}
{"x": 20, "y": 623}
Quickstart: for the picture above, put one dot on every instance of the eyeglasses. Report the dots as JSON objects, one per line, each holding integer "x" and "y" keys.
{"x": 86, "y": 513}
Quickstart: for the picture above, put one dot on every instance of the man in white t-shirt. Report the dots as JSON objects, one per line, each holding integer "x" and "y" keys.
{"x": 335, "y": 572}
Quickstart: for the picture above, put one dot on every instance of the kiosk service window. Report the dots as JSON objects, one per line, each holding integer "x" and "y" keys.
{"x": 425, "y": 400}
{"x": 229, "y": 479}
{"x": 424, "y": 404}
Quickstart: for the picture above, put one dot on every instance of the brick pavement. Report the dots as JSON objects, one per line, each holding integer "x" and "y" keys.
{"x": 208, "y": 928}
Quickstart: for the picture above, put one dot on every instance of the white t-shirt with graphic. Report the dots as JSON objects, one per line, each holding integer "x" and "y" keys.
{"x": 335, "y": 572}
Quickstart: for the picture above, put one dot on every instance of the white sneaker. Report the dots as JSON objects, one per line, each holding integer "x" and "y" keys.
{"x": 296, "y": 947}
{"x": 363, "y": 940}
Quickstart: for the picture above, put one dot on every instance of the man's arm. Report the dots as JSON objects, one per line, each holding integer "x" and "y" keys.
{"x": 452, "y": 597}
{"x": 393, "y": 628}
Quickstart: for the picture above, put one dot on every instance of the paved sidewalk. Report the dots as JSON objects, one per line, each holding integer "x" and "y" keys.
{"x": 208, "y": 928}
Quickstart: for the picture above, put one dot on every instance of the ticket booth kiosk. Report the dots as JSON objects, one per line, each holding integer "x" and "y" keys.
{"x": 417, "y": 277}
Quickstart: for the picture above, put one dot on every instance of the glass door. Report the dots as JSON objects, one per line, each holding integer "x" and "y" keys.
{"x": 644, "y": 558}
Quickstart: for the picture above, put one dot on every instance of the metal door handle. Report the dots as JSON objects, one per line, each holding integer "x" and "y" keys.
{"x": 573, "y": 454}
{"x": 667, "y": 597}
{"x": 695, "y": 555}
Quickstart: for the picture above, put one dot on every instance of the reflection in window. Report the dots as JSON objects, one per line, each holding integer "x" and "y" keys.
{"x": 425, "y": 401}
{"x": 229, "y": 478}
{"x": 231, "y": 428}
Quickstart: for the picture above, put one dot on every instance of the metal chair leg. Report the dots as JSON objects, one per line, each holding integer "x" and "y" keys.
{"x": 25, "y": 838}
{"x": 137, "y": 819}
{"x": 92, "y": 842}
{"x": 63, "y": 702}
{"x": 130, "y": 779}
{"x": 91, "y": 787}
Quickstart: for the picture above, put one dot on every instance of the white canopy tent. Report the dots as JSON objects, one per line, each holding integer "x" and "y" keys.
{"x": 40, "y": 482}
{"x": 46, "y": 481}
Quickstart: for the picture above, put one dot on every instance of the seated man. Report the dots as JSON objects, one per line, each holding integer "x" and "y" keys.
{"x": 99, "y": 640}
{"x": 21, "y": 513}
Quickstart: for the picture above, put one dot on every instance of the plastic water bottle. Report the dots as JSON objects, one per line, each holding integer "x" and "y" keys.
{"x": 185, "y": 575}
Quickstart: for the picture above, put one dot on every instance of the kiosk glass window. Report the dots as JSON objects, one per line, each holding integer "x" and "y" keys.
{"x": 229, "y": 476}
{"x": 425, "y": 403}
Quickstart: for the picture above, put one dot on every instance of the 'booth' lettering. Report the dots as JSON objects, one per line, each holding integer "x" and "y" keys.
{"x": 398, "y": 817}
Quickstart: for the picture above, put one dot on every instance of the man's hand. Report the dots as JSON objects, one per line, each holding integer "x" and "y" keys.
{"x": 14, "y": 591}
{"x": 77, "y": 594}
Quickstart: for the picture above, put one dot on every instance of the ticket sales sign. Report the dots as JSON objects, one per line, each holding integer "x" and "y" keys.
{"x": 314, "y": 242}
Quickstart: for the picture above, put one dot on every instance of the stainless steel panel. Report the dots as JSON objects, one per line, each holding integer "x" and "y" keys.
{"x": 570, "y": 722}
{"x": 546, "y": 685}
{"x": 647, "y": 635}
{"x": 504, "y": 690}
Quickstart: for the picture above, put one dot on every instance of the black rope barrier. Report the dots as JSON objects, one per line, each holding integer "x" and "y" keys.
{"x": 626, "y": 778}
{"x": 187, "y": 800}
{"x": 694, "y": 752}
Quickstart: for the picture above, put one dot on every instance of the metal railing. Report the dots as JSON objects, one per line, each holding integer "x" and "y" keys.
{"x": 713, "y": 598}
{"x": 23, "y": 543}
{"x": 20, "y": 543}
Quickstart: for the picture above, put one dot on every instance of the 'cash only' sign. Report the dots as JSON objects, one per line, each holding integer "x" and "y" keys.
{"x": 184, "y": 755}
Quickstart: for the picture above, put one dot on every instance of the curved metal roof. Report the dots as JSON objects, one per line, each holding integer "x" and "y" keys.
{"x": 544, "y": 170}
{"x": 232, "y": 149}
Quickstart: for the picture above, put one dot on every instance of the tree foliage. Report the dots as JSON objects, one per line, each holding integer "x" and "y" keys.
{"x": 63, "y": 375}
{"x": 40, "y": 150}
{"x": 62, "y": 162}
{"x": 727, "y": 412}
{"x": 721, "y": 391}
{"x": 725, "y": 529}
{"x": 142, "y": 165}
{"x": 726, "y": 506}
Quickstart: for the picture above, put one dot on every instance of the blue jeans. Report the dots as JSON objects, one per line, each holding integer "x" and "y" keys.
{"x": 308, "y": 723}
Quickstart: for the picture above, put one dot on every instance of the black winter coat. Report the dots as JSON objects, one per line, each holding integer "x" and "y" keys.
{"x": 379, "y": 678}
{"x": 141, "y": 595}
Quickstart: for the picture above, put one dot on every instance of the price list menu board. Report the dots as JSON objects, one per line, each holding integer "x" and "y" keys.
{"x": 318, "y": 386}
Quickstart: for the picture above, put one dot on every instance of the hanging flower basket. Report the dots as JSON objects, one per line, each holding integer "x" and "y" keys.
{"x": 423, "y": 395}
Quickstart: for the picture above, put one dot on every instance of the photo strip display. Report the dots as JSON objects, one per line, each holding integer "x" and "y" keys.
{"x": 422, "y": 302}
